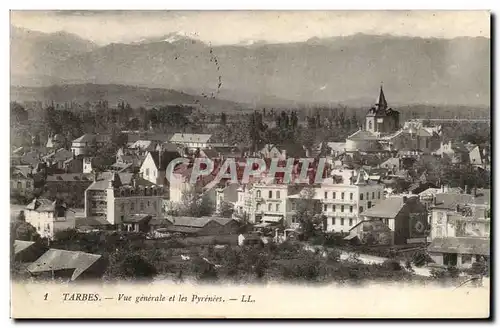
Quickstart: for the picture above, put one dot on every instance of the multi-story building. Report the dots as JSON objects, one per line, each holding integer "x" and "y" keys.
{"x": 118, "y": 196}
{"x": 49, "y": 217}
{"x": 381, "y": 119}
{"x": 344, "y": 200}
{"x": 270, "y": 203}
{"x": 460, "y": 227}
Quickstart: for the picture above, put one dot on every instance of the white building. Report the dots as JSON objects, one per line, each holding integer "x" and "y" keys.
{"x": 191, "y": 140}
{"x": 118, "y": 196}
{"x": 88, "y": 143}
{"x": 49, "y": 217}
{"x": 154, "y": 166}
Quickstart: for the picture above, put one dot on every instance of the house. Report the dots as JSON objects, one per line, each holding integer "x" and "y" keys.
{"x": 405, "y": 216}
{"x": 69, "y": 187}
{"x": 22, "y": 181}
{"x": 455, "y": 151}
{"x": 49, "y": 217}
{"x": 91, "y": 164}
{"x": 371, "y": 232}
{"x": 92, "y": 223}
{"x": 461, "y": 215}
{"x": 136, "y": 223}
{"x": 192, "y": 140}
{"x": 272, "y": 151}
{"x": 88, "y": 143}
{"x": 155, "y": 164}
{"x": 116, "y": 196}
{"x": 55, "y": 142}
{"x": 27, "y": 251}
{"x": 346, "y": 198}
{"x": 204, "y": 226}
{"x": 68, "y": 265}
{"x": 230, "y": 226}
{"x": 460, "y": 252}
{"x": 62, "y": 160}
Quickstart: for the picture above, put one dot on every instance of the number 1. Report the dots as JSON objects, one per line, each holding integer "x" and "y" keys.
{"x": 45, "y": 296}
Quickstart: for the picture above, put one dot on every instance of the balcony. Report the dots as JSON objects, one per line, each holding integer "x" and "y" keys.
{"x": 338, "y": 201}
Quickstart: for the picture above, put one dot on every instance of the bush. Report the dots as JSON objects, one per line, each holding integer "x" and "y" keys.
{"x": 421, "y": 258}
{"x": 136, "y": 267}
{"x": 333, "y": 256}
{"x": 392, "y": 265}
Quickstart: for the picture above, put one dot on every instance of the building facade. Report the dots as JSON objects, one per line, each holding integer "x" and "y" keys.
{"x": 48, "y": 217}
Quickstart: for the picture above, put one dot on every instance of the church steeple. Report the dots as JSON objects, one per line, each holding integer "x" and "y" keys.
{"x": 381, "y": 102}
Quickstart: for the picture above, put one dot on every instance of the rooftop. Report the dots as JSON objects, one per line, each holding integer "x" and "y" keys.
{"x": 461, "y": 245}
{"x": 190, "y": 137}
{"x": 58, "y": 259}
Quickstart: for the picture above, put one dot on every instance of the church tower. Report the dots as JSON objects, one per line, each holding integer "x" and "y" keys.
{"x": 381, "y": 119}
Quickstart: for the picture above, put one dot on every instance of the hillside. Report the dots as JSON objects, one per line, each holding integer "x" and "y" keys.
{"x": 135, "y": 96}
{"x": 332, "y": 70}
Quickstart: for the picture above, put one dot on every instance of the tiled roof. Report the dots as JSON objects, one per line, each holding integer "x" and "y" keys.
{"x": 451, "y": 200}
{"x": 386, "y": 208}
{"x": 190, "y": 137}
{"x": 190, "y": 221}
{"x": 59, "y": 155}
{"x": 21, "y": 245}
{"x": 58, "y": 259}
{"x": 362, "y": 135}
{"x": 125, "y": 179}
{"x": 88, "y": 137}
{"x": 167, "y": 157}
{"x": 41, "y": 205}
{"x": 70, "y": 177}
{"x": 223, "y": 221}
{"x": 91, "y": 221}
{"x": 461, "y": 245}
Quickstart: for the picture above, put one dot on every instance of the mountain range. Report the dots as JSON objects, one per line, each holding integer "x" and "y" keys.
{"x": 346, "y": 69}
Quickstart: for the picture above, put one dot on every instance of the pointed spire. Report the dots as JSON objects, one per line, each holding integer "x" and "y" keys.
{"x": 381, "y": 102}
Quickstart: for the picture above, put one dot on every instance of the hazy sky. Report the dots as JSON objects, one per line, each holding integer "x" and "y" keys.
{"x": 224, "y": 27}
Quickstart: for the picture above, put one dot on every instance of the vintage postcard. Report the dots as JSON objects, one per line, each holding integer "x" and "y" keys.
{"x": 250, "y": 164}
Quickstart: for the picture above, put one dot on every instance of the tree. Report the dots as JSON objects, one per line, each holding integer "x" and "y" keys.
{"x": 223, "y": 118}
{"x": 137, "y": 267}
{"x": 226, "y": 210}
{"x": 307, "y": 213}
{"x": 196, "y": 203}
{"x": 24, "y": 231}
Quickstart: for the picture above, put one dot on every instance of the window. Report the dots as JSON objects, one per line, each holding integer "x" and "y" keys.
{"x": 270, "y": 194}
{"x": 466, "y": 258}
{"x": 258, "y": 207}
{"x": 142, "y": 206}
{"x": 342, "y": 221}
{"x": 122, "y": 206}
{"x": 367, "y": 195}
{"x": 361, "y": 209}
{"x": 360, "y": 196}
{"x": 258, "y": 193}
{"x": 270, "y": 207}
{"x": 334, "y": 195}
{"x": 28, "y": 184}
{"x": 370, "y": 125}
{"x": 351, "y": 196}
{"x": 386, "y": 221}
{"x": 333, "y": 221}
{"x": 342, "y": 208}
{"x": 333, "y": 208}
{"x": 325, "y": 207}
{"x": 350, "y": 222}
{"x": 294, "y": 206}
{"x": 278, "y": 194}
{"x": 19, "y": 185}
{"x": 147, "y": 172}
{"x": 326, "y": 194}
{"x": 379, "y": 195}
{"x": 369, "y": 204}
{"x": 373, "y": 195}
{"x": 342, "y": 195}
{"x": 277, "y": 207}
{"x": 132, "y": 206}
{"x": 350, "y": 209}
{"x": 149, "y": 203}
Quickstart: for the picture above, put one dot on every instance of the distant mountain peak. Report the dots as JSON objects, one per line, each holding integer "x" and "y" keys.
{"x": 174, "y": 37}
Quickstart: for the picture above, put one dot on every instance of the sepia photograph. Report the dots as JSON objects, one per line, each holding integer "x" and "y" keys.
{"x": 250, "y": 164}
